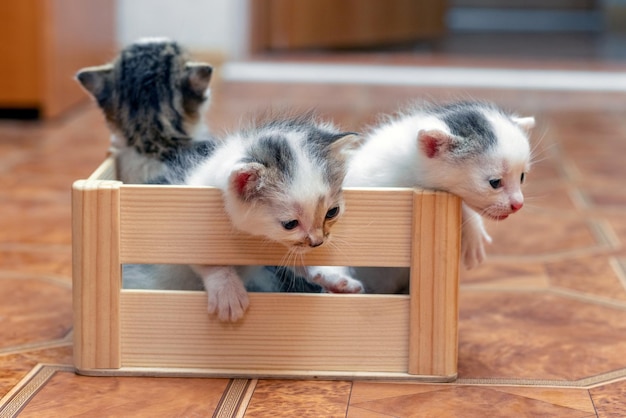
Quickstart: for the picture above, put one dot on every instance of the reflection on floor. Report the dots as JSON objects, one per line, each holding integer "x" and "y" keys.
{"x": 542, "y": 323}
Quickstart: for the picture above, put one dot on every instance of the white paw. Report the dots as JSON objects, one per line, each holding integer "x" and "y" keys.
{"x": 473, "y": 239}
{"x": 227, "y": 296}
{"x": 336, "y": 283}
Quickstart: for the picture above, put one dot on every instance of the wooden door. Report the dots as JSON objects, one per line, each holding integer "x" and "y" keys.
{"x": 295, "y": 24}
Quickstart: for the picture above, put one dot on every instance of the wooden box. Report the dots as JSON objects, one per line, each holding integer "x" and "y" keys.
{"x": 157, "y": 332}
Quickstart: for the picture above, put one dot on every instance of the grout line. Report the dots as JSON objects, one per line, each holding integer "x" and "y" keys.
{"x": 585, "y": 297}
{"x": 550, "y": 80}
{"x": 619, "y": 269}
{"x": 598, "y": 249}
{"x": 604, "y": 234}
{"x": 59, "y": 280}
{"x": 67, "y": 340}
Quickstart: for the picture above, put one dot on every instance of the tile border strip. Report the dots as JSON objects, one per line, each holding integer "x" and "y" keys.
{"x": 235, "y": 398}
{"x": 14, "y": 401}
{"x": 584, "y": 383}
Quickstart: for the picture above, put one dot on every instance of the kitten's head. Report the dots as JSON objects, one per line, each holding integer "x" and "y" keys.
{"x": 483, "y": 157}
{"x": 288, "y": 187}
{"x": 151, "y": 95}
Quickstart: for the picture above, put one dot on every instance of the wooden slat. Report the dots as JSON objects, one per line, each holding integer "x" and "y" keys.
{"x": 96, "y": 273}
{"x": 433, "y": 336}
{"x": 280, "y": 332}
{"x": 165, "y": 224}
{"x": 105, "y": 171}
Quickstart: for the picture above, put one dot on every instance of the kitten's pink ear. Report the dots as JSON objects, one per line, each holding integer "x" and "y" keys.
{"x": 246, "y": 180}
{"x": 95, "y": 79}
{"x": 434, "y": 142}
{"x": 199, "y": 76}
{"x": 525, "y": 123}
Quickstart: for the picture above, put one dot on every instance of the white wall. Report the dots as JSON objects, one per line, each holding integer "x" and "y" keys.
{"x": 199, "y": 25}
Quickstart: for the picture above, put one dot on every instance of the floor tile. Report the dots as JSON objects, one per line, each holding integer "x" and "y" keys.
{"x": 510, "y": 274}
{"x": 280, "y": 398}
{"x": 524, "y": 235}
{"x": 593, "y": 275}
{"x": 610, "y": 399}
{"x": 537, "y": 335}
{"x": 67, "y": 394}
{"x": 33, "y": 311}
{"x": 466, "y": 402}
{"x": 44, "y": 260}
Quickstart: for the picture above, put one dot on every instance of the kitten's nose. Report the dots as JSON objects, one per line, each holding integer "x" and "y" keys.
{"x": 315, "y": 243}
{"x": 515, "y": 206}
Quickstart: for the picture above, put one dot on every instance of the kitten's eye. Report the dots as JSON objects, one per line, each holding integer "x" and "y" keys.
{"x": 332, "y": 212}
{"x": 522, "y": 178}
{"x": 496, "y": 183}
{"x": 289, "y": 225}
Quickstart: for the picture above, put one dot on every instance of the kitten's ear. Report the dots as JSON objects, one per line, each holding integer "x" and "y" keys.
{"x": 346, "y": 144}
{"x": 434, "y": 142}
{"x": 95, "y": 80}
{"x": 525, "y": 123}
{"x": 246, "y": 180}
{"x": 199, "y": 76}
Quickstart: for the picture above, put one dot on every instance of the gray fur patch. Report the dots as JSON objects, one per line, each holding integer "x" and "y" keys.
{"x": 466, "y": 120}
{"x": 274, "y": 152}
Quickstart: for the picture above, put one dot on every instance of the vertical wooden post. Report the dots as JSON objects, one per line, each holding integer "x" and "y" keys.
{"x": 96, "y": 273}
{"x": 433, "y": 319}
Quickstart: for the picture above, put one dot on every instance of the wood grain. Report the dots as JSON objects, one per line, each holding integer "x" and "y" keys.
{"x": 434, "y": 285}
{"x": 279, "y": 332}
{"x": 375, "y": 231}
{"x": 96, "y": 272}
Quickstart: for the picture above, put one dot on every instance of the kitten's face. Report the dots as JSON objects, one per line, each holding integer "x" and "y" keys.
{"x": 494, "y": 189}
{"x": 298, "y": 222}
{"x": 289, "y": 193}
{"x": 490, "y": 182}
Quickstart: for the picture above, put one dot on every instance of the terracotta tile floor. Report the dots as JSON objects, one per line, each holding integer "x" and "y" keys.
{"x": 542, "y": 323}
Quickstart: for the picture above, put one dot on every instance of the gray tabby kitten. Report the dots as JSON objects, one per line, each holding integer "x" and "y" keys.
{"x": 153, "y": 98}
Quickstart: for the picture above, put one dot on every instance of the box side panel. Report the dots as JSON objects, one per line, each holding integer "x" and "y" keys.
{"x": 434, "y": 285}
{"x": 280, "y": 332}
{"x": 188, "y": 226}
{"x": 96, "y": 273}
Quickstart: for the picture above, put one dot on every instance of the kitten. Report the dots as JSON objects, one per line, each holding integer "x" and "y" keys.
{"x": 471, "y": 149}
{"x": 281, "y": 180}
{"x": 153, "y": 98}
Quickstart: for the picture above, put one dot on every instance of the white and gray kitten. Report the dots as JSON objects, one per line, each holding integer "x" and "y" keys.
{"x": 153, "y": 97}
{"x": 282, "y": 180}
{"x": 471, "y": 149}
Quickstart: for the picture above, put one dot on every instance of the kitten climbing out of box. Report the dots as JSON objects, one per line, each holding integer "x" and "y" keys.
{"x": 472, "y": 149}
{"x": 281, "y": 179}
{"x": 153, "y": 97}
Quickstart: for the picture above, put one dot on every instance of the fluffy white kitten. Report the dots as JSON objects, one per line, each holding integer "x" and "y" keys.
{"x": 472, "y": 149}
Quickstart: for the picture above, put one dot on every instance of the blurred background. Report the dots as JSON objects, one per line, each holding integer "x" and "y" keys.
{"x": 45, "y": 42}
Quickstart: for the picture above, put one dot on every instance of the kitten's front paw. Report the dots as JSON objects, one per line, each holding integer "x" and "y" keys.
{"x": 337, "y": 283}
{"x": 473, "y": 249}
{"x": 227, "y": 297}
